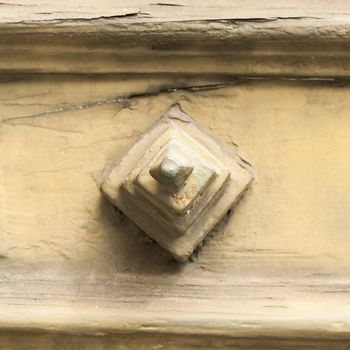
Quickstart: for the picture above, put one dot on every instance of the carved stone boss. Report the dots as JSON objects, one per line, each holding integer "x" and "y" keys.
{"x": 176, "y": 183}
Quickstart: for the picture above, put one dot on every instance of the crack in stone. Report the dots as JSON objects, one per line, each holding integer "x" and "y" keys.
{"x": 122, "y": 101}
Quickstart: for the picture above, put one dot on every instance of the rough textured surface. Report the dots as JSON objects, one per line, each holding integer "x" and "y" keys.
{"x": 275, "y": 267}
{"x": 284, "y": 38}
{"x": 274, "y": 274}
{"x": 10, "y": 340}
{"x": 173, "y": 10}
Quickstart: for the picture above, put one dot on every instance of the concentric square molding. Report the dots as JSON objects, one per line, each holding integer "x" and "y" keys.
{"x": 176, "y": 183}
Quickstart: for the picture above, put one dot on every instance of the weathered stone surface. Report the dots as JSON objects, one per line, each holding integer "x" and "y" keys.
{"x": 279, "y": 266}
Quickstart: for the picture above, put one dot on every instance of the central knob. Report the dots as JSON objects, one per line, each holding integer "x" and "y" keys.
{"x": 171, "y": 172}
{"x": 170, "y": 168}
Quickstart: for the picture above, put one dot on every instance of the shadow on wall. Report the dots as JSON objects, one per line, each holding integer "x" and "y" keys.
{"x": 133, "y": 250}
{"x": 136, "y": 252}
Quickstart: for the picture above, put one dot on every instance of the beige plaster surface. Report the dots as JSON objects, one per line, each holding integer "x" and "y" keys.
{"x": 281, "y": 258}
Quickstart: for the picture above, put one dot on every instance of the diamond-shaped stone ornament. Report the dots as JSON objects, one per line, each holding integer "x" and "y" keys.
{"x": 176, "y": 183}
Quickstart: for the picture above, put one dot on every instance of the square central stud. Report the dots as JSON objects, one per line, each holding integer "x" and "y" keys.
{"x": 176, "y": 183}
